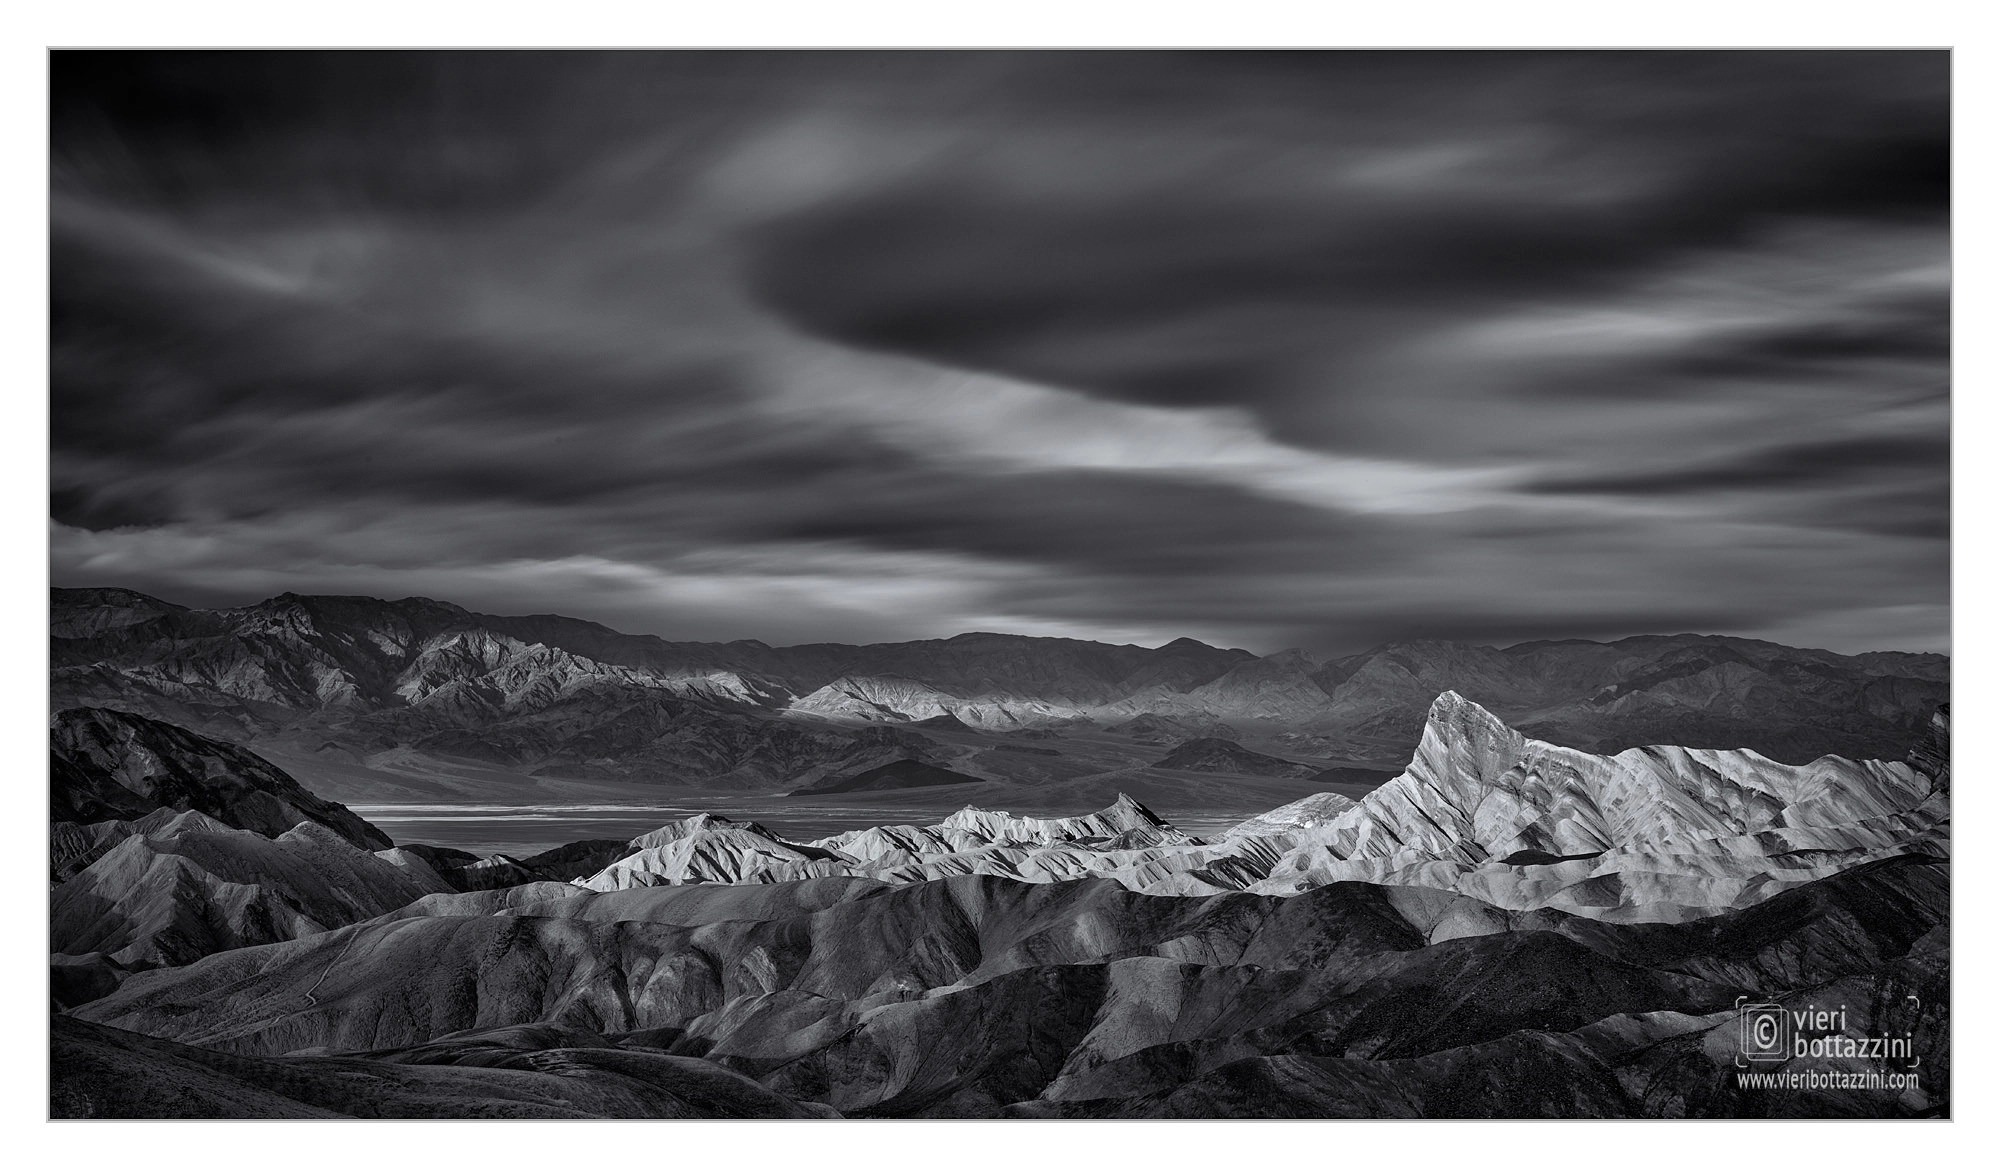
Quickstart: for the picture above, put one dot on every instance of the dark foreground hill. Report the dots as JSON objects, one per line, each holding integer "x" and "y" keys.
{"x": 103, "y": 1072}
{"x": 108, "y": 764}
{"x": 982, "y": 997}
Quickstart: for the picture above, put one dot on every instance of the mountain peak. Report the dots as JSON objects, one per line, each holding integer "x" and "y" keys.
{"x": 1448, "y": 701}
{"x": 1131, "y": 813}
{"x": 1451, "y": 705}
{"x": 1457, "y": 723}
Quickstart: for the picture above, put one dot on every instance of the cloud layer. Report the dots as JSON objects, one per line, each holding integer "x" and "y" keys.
{"x": 1268, "y": 349}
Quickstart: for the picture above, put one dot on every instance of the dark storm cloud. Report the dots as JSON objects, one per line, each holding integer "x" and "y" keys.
{"x": 1263, "y": 348}
{"x": 446, "y": 134}
{"x": 1087, "y": 297}
{"x": 1558, "y": 175}
{"x": 1894, "y": 343}
{"x": 1914, "y": 330}
{"x": 1829, "y": 462}
{"x": 1921, "y": 511}
{"x": 1047, "y": 290}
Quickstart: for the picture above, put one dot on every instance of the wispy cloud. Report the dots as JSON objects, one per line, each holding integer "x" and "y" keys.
{"x": 1004, "y": 424}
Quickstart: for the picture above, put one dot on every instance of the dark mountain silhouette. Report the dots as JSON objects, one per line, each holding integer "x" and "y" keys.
{"x": 108, "y": 764}
{"x": 900, "y": 775}
{"x": 1227, "y": 758}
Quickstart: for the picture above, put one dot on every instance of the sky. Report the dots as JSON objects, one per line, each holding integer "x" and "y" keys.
{"x": 1273, "y": 350}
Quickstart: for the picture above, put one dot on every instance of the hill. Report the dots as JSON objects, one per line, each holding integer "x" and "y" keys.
{"x": 108, "y": 764}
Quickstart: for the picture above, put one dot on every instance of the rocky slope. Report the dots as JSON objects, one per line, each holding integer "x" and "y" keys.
{"x": 1649, "y": 833}
{"x": 977, "y": 996}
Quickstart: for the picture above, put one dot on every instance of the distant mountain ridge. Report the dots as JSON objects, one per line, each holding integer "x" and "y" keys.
{"x": 572, "y": 697}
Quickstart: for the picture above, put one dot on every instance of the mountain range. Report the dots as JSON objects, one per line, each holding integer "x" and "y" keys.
{"x": 1508, "y": 927}
{"x": 345, "y": 690}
